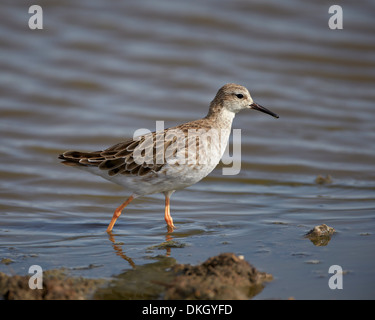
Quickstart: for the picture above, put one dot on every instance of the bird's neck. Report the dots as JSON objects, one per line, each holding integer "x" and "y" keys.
{"x": 221, "y": 117}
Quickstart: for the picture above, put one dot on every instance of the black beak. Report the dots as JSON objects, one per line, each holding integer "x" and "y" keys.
{"x": 258, "y": 107}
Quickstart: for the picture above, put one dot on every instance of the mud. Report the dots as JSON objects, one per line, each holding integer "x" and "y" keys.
{"x": 320, "y": 235}
{"x": 225, "y": 276}
{"x": 222, "y": 277}
{"x": 323, "y": 179}
{"x": 57, "y": 285}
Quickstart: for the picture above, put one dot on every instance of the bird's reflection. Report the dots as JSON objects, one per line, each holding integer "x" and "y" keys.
{"x": 168, "y": 238}
{"x": 118, "y": 249}
{"x": 119, "y": 252}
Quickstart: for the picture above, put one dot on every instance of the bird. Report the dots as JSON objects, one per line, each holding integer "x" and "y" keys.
{"x": 171, "y": 159}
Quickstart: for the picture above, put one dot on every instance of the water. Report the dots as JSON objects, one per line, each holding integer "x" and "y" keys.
{"x": 99, "y": 70}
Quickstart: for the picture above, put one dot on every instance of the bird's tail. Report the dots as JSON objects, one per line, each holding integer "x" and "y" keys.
{"x": 77, "y": 158}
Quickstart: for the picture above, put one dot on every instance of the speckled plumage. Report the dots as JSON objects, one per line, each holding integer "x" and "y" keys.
{"x": 171, "y": 159}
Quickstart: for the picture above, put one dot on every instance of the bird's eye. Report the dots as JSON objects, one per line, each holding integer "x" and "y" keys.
{"x": 239, "y": 95}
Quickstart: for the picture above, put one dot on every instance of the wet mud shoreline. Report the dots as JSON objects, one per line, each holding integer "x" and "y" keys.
{"x": 222, "y": 277}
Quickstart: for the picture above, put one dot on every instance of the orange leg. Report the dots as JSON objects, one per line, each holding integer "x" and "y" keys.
{"x": 167, "y": 216}
{"x": 118, "y": 213}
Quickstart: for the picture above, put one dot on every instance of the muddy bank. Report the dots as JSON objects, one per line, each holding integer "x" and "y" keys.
{"x": 225, "y": 276}
{"x": 57, "y": 285}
